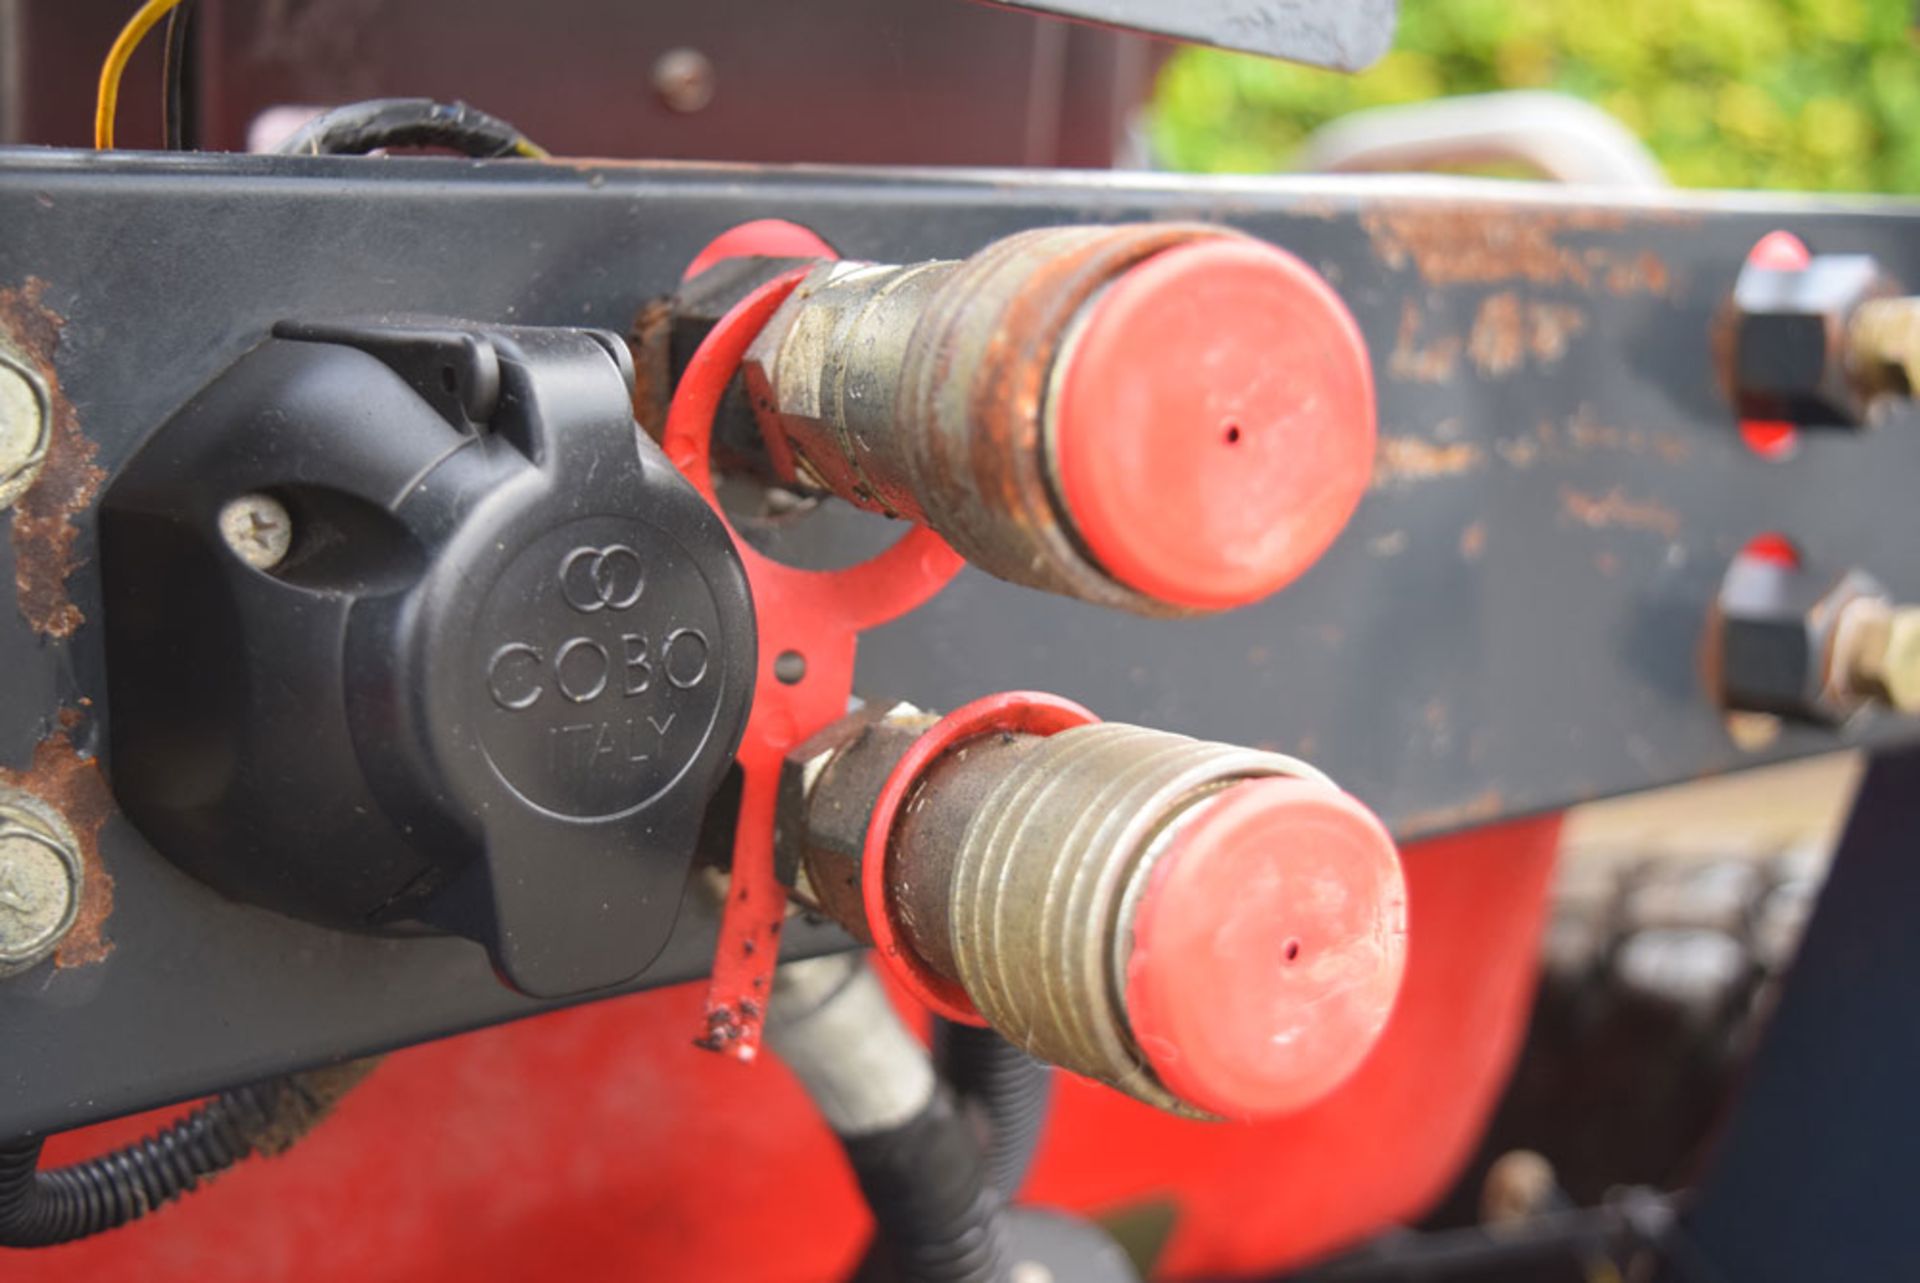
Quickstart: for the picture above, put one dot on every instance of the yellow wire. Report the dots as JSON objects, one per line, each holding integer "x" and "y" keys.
{"x": 116, "y": 66}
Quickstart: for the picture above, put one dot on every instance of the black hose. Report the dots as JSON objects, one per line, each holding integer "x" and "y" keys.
{"x": 44, "y": 1208}
{"x": 361, "y": 127}
{"x": 937, "y": 1218}
{"x": 1008, "y": 1088}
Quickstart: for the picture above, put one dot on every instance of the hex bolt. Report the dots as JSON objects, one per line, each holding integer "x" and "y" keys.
{"x": 1786, "y": 637}
{"x": 40, "y": 879}
{"x": 258, "y": 528}
{"x": 25, "y": 418}
{"x": 684, "y": 79}
{"x": 1807, "y": 329}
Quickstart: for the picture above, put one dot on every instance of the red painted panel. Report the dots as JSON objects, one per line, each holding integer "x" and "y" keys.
{"x": 598, "y": 1143}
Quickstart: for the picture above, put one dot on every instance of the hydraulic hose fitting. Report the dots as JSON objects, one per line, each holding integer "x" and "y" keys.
{"x": 1165, "y": 418}
{"x": 1214, "y": 930}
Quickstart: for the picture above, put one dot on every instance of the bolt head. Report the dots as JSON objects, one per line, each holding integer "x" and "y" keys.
{"x": 684, "y": 79}
{"x": 24, "y": 425}
{"x": 1790, "y": 358}
{"x": 258, "y": 528}
{"x": 1777, "y": 626}
{"x": 40, "y": 875}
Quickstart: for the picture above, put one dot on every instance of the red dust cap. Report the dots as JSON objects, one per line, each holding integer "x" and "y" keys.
{"x": 1268, "y": 948}
{"x": 1212, "y": 427}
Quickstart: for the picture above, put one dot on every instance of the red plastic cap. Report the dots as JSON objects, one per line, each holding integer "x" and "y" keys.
{"x": 1268, "y": 948}
{"x": 1213, "y": 427}
{"x": 761, "y": 238}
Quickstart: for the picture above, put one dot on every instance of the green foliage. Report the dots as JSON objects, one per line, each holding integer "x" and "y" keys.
{"x": 1808, "y": 95}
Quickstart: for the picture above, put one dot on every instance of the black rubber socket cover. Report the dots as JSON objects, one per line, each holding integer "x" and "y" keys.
{"x": 491, "y": 686}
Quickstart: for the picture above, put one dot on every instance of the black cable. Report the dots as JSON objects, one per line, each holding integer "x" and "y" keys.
{"x": 936, "y": 1218}
{"x": 1010, "y": 1091}
{"x": 362, "y": 127}
{"x": 59, "y": 1205}
{"x": 177, "y": 133}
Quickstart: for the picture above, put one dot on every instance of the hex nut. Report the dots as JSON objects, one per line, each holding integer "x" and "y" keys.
{"x": 818, "y": 830}
{"x": 26, "y": 417}
{"x": 1791, "y": 340}
{"x": 1779, "y": 627}
{"x": 40, "y": 880}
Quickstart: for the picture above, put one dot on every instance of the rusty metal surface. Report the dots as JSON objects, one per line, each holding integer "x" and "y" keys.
{"x": 1513, "y": 622}
{"x": 69, "y": 783}
{"x": 827, "y": 791}
{"x": 928, "y": 833}
{"x": 47, "y": 515}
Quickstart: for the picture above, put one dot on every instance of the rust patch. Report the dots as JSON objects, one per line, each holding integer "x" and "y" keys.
{"x": 1614, "y": 510}
{"x": 1415, "y": 362}
{"x": 71, "y": 784}
{"x": 1409, "y": 459}
{"x": 1519, "y": 453}
{"x": 1584, "y": 434}
{"x": 1508, "y": 330}
{"x": 1391, "y": 544}
{"x": 1473, "y": 541}
{"x": 652, "y": 365}
{"x": 1463, "y": 244}
{"x": 1644, "y": 273}
{"x": 44, "y": 531}
{"x": 1477, "y": 809}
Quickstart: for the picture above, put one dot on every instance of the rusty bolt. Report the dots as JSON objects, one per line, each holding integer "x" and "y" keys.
{"x": 40, "y": 875}
{"x": 25, "y": 416}
{"x": 258, "y": 528}
{"x": 1794, "y": 340}
{"x": 684, "y": 79}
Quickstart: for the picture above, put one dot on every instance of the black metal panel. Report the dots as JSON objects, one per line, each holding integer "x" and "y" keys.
{"x": 1348, "y": 35}
{"x": 1513, "y": 623}
{"x": 1815, "y": 1177}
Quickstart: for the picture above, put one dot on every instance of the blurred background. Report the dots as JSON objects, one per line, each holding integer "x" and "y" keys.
{"x": 1804, "y": 95}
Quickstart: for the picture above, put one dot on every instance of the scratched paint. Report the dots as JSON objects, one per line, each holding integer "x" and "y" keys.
{"x": 1509, "y": 331}
{"x": 1472, "y": 244}
{"x": 1403, "y": 460}
{"x": 1615, "y": 510}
